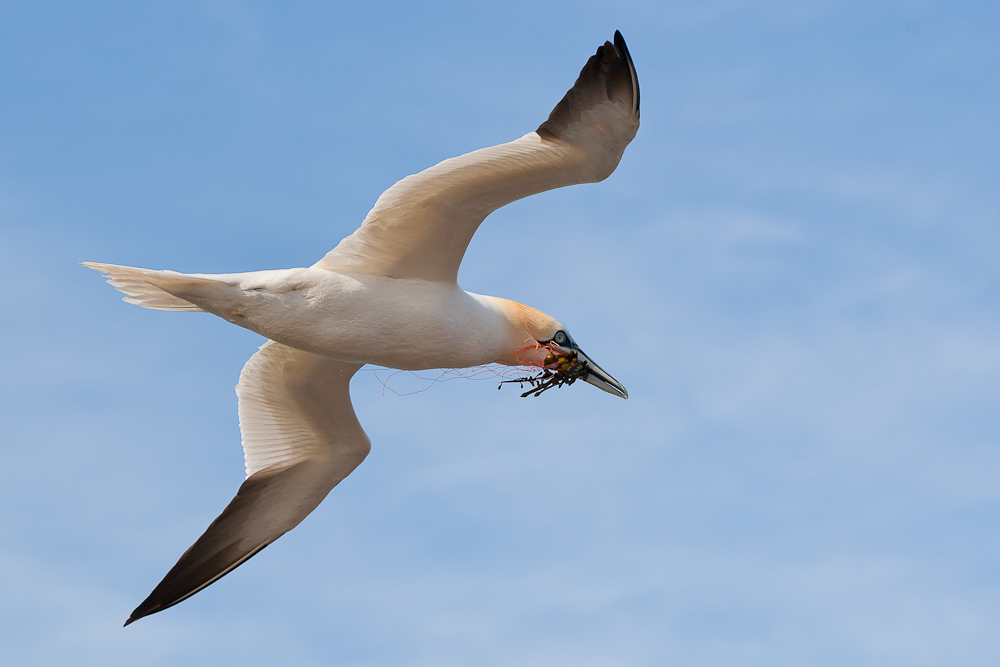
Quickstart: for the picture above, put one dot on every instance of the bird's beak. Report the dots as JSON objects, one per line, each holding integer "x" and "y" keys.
{"x": 597, "y": 376}
{"x": 600, "y": 378}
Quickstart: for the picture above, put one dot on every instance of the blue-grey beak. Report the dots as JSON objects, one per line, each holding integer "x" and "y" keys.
{"x": 600, "y": 378}
{"x": 596, "y": 375}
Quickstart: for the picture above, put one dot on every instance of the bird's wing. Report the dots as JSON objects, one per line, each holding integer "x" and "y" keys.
{"x": 300, "y": 437}
{"x": 421, "y": 226}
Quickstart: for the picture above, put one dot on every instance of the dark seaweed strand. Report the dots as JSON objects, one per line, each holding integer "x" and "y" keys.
{"x": 549, "y": 379}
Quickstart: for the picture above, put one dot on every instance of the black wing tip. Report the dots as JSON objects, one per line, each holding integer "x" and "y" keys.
{"x": 143, "y": 610}
{"x": 623, "y": 50}
{"x": 148, "y": 606}
{"x": 217, "y": 552}
{"x": 605, "y": 68}
{"x": 160, "y": 599}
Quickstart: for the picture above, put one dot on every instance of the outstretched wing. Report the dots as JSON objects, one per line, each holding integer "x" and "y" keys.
{"x": 300, "y": 438}
{"x": 421, "y": 226}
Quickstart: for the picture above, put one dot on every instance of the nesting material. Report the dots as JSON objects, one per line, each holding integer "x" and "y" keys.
{"x": 558, "y": 370}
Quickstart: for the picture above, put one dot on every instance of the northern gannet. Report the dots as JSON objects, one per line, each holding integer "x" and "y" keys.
{"x": 386, "y": 295}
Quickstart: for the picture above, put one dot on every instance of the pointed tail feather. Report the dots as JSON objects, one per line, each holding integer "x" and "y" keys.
{"x": 145, "y": 287}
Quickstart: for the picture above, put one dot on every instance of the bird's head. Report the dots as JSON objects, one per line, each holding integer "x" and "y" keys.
{"x": 545, "y": 343}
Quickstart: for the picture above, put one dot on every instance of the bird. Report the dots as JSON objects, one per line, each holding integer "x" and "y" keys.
{"x": 387, "y": 295}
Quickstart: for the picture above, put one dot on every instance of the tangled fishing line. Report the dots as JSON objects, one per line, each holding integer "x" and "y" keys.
{"x": 558, "y": 369}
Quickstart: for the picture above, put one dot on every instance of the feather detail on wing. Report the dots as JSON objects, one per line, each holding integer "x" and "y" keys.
{"x": 300, "y": 438}
{"x": 422, "y": 225}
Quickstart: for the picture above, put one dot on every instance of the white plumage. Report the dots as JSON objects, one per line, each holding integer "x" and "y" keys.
{"x": 386, "y": 295}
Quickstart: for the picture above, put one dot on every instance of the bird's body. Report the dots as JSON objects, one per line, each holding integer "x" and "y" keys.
{"x": 403, "y": 323}
{"x": 386, "y": 295}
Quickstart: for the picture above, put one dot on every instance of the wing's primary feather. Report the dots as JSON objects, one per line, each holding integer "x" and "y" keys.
{"x": 300, "y": 437}
{"x": 422, "y": 225}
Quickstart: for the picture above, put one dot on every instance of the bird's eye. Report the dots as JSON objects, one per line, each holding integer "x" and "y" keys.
{"x": 560, "y": 338}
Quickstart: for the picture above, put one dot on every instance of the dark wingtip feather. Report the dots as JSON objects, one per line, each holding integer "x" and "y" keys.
{"x": 224, "y": 546}
{"x": 150, "y": 605}
{"x": 623, "y": 49}
{"x": 608, "y": 74}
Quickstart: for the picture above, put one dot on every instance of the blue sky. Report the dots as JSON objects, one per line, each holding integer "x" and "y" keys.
{"x": 794, "y": 272}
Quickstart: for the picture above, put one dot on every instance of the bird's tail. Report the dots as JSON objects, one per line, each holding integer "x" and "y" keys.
{"x": 148, "y": 288}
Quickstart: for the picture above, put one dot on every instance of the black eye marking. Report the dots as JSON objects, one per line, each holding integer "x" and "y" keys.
{"x": 560, "y": 338}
